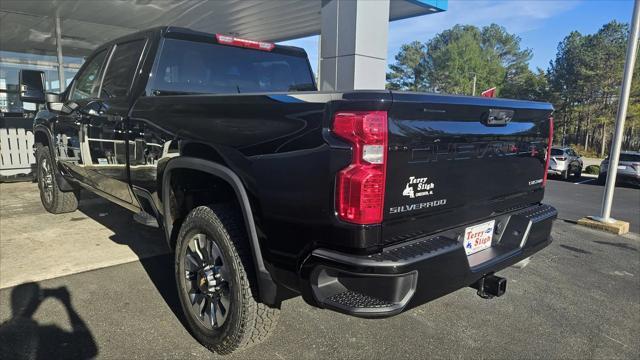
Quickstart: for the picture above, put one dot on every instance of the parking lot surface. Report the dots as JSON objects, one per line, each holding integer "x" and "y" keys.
{"x": 583, "y": 197}
{"x": 36, "y": 245}
{"x": 579, "y": 298}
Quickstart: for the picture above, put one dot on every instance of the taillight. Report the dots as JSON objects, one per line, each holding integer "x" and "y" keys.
{"x": 251, "y": 44}
{"x": 549, "y": 143}
{"x": 360, "y": 186}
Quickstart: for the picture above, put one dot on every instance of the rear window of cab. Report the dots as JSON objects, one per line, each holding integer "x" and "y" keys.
{"x": 187, "y": 67}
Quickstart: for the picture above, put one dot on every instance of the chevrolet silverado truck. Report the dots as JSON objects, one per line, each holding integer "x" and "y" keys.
{"x": 368, "y": 203}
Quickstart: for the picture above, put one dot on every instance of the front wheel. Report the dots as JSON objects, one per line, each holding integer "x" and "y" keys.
{"x": 216, "y": 281}
{"x": 53, "y": 199}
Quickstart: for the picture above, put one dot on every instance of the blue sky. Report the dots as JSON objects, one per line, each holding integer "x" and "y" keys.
{"x": 541, "y": 24}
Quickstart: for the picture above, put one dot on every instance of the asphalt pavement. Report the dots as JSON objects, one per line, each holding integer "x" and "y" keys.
{"x": 576, "y": 199}
{"x": 578, "y": 298}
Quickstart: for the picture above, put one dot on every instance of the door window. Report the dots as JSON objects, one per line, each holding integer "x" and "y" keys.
{"x": 87, "y": 84}
{"x": 121, "y": 69}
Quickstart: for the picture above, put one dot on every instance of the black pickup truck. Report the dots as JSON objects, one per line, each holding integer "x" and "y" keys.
{"x": 367, "y": 203}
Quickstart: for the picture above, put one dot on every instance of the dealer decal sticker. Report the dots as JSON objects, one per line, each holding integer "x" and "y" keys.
{"x": 417, "y": 187}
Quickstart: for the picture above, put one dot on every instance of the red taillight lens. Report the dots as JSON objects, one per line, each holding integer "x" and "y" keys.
{"x": 549, "y": 143}
{"x": 251, "y": 44}
{"x": 360, "y": 186}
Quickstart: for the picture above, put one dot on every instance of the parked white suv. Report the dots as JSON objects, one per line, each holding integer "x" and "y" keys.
{"x": 564, "y": 162}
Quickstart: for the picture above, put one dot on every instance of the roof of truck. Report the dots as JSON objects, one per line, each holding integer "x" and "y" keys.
{"x": 201, "y": 34}
{"x": 195, "y": 35}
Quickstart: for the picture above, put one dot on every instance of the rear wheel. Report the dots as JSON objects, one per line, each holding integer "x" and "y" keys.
{"x": 53, "y": 199}
{"x": 578, "y": 173}
{"x": 602, "y": 178}
{"x": 216, "y": 281}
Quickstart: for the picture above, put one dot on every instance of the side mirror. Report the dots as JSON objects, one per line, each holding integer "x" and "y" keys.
{"x": 55, "y": 104}
{"x": 94, "y": 108}
{"x": 62, "y": 108}
{"x": 32, "y": 86}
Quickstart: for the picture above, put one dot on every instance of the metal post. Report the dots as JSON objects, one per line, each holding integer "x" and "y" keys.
{"x": 473, "y": 93}
{"x": 59, "y": 51}
{"x": 318, "y": 67}
{"x": 353, "y": 48}
{"x": 614, "y": 156}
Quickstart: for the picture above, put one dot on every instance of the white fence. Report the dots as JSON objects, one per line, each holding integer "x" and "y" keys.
{"x": 16, "y": 151}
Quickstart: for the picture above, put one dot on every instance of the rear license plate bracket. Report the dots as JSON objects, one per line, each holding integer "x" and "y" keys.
{"x": 478, "y": 237}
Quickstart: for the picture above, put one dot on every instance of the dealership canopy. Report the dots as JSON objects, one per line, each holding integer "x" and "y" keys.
{"x": 352, "y": 31}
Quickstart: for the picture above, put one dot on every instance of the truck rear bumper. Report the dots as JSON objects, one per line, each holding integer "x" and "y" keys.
{"x": 412, "y": 273}
{"x": 557, "y": 168}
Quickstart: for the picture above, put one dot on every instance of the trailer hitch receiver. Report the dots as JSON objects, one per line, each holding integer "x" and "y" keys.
{"x": 490, "y": 286}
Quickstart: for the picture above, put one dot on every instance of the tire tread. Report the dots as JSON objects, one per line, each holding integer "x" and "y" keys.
{"x": 258, "y": 319}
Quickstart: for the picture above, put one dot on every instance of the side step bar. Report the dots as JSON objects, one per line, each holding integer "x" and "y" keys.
{"x": 364, "y": 295}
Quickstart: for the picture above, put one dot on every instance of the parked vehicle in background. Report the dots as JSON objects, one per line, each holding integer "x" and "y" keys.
{"x": 565, "y": 162}
{"x": 367, "y": 203}
{"x": 628, "y": 168}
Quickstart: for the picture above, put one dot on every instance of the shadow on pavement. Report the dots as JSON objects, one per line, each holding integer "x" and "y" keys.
{"x": 616, "y": 244}
{"x": 21, "y": 337}
{"x": 145, "y": 242}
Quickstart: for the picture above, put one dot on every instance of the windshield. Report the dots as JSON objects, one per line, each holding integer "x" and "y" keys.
{"x": 198, "y": 67}
{"x": 556, "y": 152}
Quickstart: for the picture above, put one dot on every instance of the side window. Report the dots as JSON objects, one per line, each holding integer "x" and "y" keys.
{"x": 87, "y": 84}
{"x": 121, "y": 69}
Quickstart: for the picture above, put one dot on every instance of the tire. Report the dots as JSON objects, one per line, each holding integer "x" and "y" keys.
{"x": 578, "y": 174}
{"x": 53, "y": 199}
{"x": 228, "y": 288}
{"x": 602, "y": 178}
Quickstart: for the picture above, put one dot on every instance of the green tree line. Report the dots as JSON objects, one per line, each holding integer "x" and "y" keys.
{"x": 583, "y": 81}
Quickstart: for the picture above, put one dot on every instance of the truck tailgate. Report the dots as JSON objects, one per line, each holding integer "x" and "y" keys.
{"x": 461, "y": 157}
